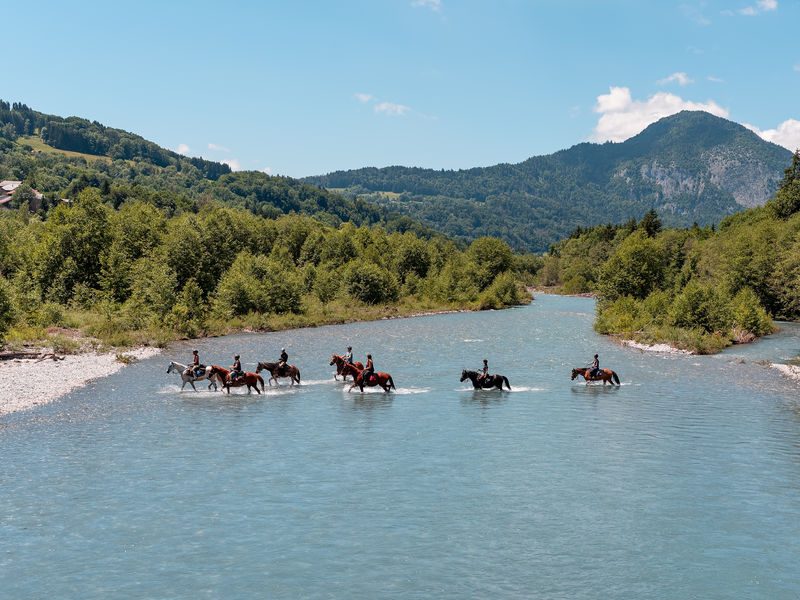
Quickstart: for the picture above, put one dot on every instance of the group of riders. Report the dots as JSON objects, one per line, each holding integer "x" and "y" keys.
{"x": 197, "y": 369}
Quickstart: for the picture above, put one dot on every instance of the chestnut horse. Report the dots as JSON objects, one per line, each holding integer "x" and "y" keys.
{"x": 251, "y": 380}
{"x": 377, "y": 378}
{"x": 605, "y": 375}
{"x": 344, "y": 368}
{"x": 291, "y": 372}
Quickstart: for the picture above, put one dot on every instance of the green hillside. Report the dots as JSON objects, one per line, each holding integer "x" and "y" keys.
{"x": 690, "y": 167}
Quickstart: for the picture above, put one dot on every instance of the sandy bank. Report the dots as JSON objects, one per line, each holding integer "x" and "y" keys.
{"x": 27, "y": 383}
{"x": 663, "y": 348}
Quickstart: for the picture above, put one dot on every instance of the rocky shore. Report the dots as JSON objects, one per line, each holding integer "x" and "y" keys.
{"x": 25, "y": 383}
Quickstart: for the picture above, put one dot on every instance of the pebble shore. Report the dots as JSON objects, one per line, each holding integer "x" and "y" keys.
{"x": 26, "y": 383}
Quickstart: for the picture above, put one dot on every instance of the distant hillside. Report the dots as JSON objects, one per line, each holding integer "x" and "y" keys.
{"x": 690, "y": 167}
{"x": 62, "y": 156}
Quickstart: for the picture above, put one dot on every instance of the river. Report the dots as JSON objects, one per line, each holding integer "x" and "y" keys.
{"x": 682, "y": 483}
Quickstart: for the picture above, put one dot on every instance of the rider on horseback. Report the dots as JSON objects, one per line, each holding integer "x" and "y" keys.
{"x": 236, "y": 369}
{"x": 369, "y": 370}
{"x": 348, "y": 356}
{"x": 484, "y": 372}
{"x": 197, "y": 366}
{"x": 282, "y": 361}
{"x": 595, "y": 367}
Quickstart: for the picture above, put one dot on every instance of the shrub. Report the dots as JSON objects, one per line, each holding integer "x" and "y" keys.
{"x": 504, "y": 291}
{"x": 370, "y": 283}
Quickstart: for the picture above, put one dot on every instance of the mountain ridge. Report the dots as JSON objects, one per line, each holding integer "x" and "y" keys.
{"x": 691, "y": 167}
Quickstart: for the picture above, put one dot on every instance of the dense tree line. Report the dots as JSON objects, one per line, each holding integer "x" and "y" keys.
{"x": 698, "y": 288}
{"x": 137, "y": 269}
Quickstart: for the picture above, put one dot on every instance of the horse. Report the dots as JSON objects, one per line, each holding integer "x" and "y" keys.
{"x": 251, "y": 380}
{"x": 190, "y": 377}
{"x": 605, "y": 375}
{"x": 290, "y": 371}
{"x": 377, "y": 378}
{"x": 488, "y": 383}
{"x": 345, "y": 368}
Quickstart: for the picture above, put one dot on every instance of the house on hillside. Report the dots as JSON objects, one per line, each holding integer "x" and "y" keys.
{"x": 7, "y": 189}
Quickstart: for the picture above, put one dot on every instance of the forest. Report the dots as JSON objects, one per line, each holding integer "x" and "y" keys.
{"x": 145, "y": 246}
{"x": 697, "y": 288}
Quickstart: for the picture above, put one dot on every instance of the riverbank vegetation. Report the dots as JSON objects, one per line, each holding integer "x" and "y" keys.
{"x": 137, "y": 276}
{"x": 700, "y": 289}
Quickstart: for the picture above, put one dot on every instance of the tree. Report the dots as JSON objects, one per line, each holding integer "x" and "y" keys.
{"x": 6, "y": 309}
{"x": 370, "y": 283}
{"x": 650, "y": 223}
{"x": 490, "y": 256}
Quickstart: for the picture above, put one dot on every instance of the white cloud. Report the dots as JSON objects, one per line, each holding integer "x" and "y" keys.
{"x": 364, "y": 98}
{"x": 622, "y": 117}
{"x": 787, "y": 134}
{"x": 233, "y": 163}
{"x": 761, "y": 6}
{"x": 434, "y": 5}
{"x": 217, "y": 147}
{"x": 713, "y": 79}
{"x": 680, "y": 78}
{"x": 182, "y": 149}
{"x": 267, "y": 170}
{"x": 392, "y": 109}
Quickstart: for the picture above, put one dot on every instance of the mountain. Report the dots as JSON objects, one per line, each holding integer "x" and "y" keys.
{"x": 690, "y": 167}
{"x": 59, "y": 157}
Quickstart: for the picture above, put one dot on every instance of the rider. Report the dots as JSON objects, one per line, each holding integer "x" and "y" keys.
{"x": 197, "y": 366}
{"x": 282, "y": 361}
{"x": 236, "y": 369}
{"x": 369, "y": 369}
{"x": 595, "y": 367}
{"x": 348, "y": 357}
{"x": 484, "y": 372}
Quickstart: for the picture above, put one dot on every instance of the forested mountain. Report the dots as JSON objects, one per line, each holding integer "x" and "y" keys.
{"x": 696, "y": 288}
{"x": 60, "y": 157}
{"x": 689, "y": 167}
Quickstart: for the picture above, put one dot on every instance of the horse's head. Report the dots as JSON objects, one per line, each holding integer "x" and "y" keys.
{"x": 259, "y": 367}
{"x": 335, "y": 359}
{"x": 464, "y": 375}
{"x": 575, "y": 373}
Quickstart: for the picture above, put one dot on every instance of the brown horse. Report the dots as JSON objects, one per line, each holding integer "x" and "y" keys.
{"x": 344, "y": 368}
{"x": 605, "y": 375}
{"x": 275, "y": 371}
{"x": 251, "y": 380}
{"x": 377, "y": 378}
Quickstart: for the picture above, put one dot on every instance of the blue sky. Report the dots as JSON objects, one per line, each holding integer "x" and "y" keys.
{"x": 302, "y": 88}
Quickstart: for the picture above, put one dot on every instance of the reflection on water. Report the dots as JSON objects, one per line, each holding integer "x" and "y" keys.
{"x": 682, "y": 483}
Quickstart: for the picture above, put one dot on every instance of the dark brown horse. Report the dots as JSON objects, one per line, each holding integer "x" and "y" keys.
{"x": 605, "y": 375}
{"x": 275, "y": 371}
{"x": 377, "y": 378}
{"x": 251, "y": 380}
{"x": 344, "y": 368}
{"x": 490, "y": 382}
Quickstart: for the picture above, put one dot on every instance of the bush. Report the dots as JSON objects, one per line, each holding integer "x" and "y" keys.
{"x": 749, "y": 315}
{"x": 327, "y": 284}
{"x": 504, "y": 291}
{"x": 703, "y": 306}
{"x": 370, "y": 283}
{"x": 6, "y": 309}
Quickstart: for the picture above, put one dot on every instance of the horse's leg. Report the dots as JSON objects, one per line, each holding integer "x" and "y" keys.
{"x": 192, "y": 384}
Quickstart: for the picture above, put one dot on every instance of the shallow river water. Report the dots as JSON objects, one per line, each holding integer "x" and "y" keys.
{"x": 682, "y": 483}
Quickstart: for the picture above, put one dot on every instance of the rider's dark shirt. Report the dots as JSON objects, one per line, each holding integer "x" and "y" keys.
{"x": 284, "y": 357}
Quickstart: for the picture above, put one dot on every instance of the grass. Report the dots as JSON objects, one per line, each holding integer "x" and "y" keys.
{"x": 102, "y": 329}
{"x": 38, "y": 145}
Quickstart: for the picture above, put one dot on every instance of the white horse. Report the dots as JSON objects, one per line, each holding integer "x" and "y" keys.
{"x": 188, "y": 376}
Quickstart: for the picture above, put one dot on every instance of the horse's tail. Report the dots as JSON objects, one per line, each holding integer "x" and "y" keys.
{"x": 298, "y": 374}
{"x": 391, "y": 383}
{"x": 616, "y": 379}
{"x": 261, "y": 381}
{"x": 505, "y": 380}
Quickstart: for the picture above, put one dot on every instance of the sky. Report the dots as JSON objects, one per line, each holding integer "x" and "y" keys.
{"x": 307, "y": 87}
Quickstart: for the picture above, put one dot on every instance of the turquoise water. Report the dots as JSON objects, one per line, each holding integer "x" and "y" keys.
{"x": 683, "y": 483}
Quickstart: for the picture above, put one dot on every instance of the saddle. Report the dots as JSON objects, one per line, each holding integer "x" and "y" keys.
{"x": 370, "y": 379}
